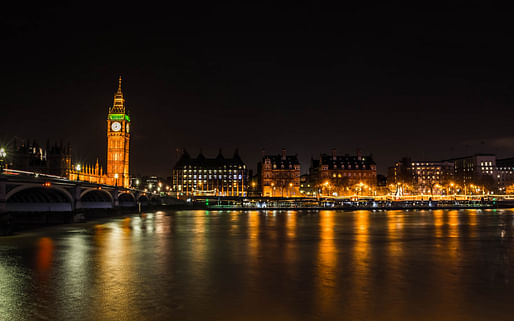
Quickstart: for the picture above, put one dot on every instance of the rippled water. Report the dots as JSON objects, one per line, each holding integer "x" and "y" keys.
{"x": 294, "y": 265}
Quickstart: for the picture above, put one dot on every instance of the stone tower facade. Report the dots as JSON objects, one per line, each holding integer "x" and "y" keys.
{"x": 118, "y": 141}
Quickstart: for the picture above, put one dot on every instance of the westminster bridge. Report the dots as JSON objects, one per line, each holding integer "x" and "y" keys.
{"x": 33, "y": 192}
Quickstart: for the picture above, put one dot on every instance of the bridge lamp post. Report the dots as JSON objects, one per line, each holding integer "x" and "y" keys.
{"x": 3, "y": 154}
{"x": 116, "y": 180}
{"x": 77, "y": 169}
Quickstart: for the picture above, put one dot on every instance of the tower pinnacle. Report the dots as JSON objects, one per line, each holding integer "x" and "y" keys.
{"x": 118, "y": 106}
{"x": 119, "y": 85}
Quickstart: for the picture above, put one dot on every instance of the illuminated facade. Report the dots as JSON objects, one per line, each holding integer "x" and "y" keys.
{"x": 505, "y": 175}
{"x": 118, "y": 147}
{"x": 218, "y": 176}
{"x": 280, "y": 175}
{"x": 429, "y": 177}
{"x": 421, "y": 176}
{"x": 343, "y": 174}
{"x": 118, "y": 141}
{"x": 473, "y": 169}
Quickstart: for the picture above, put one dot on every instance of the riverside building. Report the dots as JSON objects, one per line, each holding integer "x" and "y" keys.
{"x": 217, "y": 176}
{"x": 280, "y": 175}
{"x": 334, "y": 174}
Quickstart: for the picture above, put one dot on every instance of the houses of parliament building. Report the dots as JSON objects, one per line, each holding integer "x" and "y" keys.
{"x": 118, "y": 147}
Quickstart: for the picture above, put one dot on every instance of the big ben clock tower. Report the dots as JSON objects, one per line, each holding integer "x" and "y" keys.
{"x": 118, "y": 138}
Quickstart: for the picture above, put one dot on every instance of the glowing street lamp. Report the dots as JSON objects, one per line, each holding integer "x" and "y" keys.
{"x": 78, "y": 168}
{"x": 116, "y": 179}
{"x": 3, "y": 154}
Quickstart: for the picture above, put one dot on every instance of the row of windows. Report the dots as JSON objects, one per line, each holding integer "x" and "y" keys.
{"x": 207, "y": 181}
{"x": 423, "y": 164}
{"x": 354, "y": 174}
{"x": 359, "y": 174}
{"x": 363, "y": 167}
{"x": 428, "y": 168}
{"x": 202, "y": 186}
{"x": 211, "y": 176}
{"x": 210, "y": 171}
{"x": 428, "y": 177}
{"x": 188, "y": 167}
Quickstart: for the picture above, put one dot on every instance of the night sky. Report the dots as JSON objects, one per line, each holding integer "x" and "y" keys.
{"x": 430, "y": 84}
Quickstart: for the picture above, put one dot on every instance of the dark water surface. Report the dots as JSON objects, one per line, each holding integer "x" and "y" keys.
{"x": 295, "y": 265}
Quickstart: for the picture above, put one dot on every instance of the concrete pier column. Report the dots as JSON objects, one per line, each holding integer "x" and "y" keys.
{"x": 116, "y": 202}
{"x": 77, "y": 203}
{"x": 3, "y": 195}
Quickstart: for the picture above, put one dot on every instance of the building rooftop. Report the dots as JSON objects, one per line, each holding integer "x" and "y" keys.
{"x": 202, "y": 161}
{"x": 282, "y": 161}
{"x": 344, "y": 162}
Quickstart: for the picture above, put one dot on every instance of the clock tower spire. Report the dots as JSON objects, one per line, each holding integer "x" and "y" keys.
{"x": 118, "y": 139}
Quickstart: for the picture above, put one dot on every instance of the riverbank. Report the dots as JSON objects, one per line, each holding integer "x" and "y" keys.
{"x": 22, "y": 221}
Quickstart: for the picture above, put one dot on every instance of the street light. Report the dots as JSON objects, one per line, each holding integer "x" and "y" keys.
{"x": 116, "y": 179}
{"x": 77, "y": 169}
{"x": 3, "y": 154}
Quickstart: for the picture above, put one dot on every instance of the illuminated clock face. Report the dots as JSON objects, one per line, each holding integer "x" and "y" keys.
{"x": 128, "y": 128}
{"x": 116, "y": 126}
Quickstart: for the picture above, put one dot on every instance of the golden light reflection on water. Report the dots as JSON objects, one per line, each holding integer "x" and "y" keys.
{"x": 438, "y": 222}
{"x": 114, "y": 269}
{"x": 253, "y": 236}
{"x": 235, "y": 221}
{"x": 393, "y": 264}
{"x": 446, "y": 254}
{"x": 361, "y": 261}
{"x": 472, "y": 222}
{"x": 395, "y": 225}
{"x": 326, "y": 266}
{"x": 199, "y": 245}
{"x": 291, "y": 219}
{"x": 453, "y": 224}
{"x": 291, "y": 247}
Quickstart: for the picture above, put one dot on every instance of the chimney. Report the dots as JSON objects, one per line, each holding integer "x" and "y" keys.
{"x": 283, "y": 154}
{"x": 334, "y": 157}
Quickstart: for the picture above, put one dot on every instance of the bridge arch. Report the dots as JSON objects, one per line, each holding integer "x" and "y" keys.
{"x": 143, "y": 198}
{"x": 126, "y": 197}
{"x": 37, "y": 198}
{"x": 96, "y": 195}
{"x": 26, "y": 190}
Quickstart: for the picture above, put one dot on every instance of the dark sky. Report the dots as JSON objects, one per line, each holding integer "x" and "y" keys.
{"x": 421, "y": 82}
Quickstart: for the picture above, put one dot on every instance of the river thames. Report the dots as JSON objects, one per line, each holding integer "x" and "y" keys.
{"x": 275, "y": 265}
